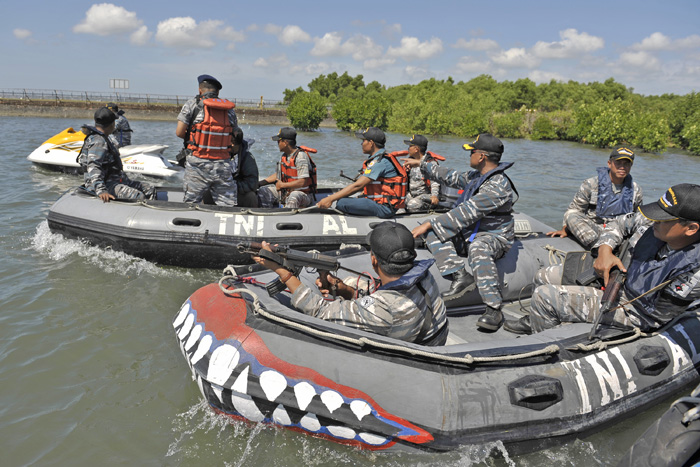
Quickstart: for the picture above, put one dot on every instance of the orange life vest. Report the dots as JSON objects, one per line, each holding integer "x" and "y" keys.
{"x": 288, "y": 170}
{"x": 391, "y": 190}
{"x": 211, "y": 138}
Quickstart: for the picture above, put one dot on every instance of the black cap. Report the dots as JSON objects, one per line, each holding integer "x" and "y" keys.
{"x": 113, "y": 107}
{"x": 393, "y": 244}
{"x": 286, "y": 133}
{"x": 485, "y": 142}
{"x": 418, "y": 140}
{"x": 104, "y": 116}
{"x": 209, "y": 79}
{"x": 372, "y": 134}
{"x": 622, "y": 153}
{"x": 679, "y": 202}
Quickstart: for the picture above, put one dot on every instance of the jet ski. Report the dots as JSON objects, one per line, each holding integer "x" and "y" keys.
{"x": 60, "y": 152}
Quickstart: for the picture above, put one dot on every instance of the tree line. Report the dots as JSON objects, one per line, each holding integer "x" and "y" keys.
{"x": 604, "y": 114}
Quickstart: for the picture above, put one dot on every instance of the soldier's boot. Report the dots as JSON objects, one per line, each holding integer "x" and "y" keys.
{"x": 521, "y": 326}
{"x": 462, "y": 282}
{"x": 491, "y": 319}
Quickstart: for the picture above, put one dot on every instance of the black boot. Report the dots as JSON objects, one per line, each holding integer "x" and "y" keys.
{"x": 491, "y": 319}
{"x": 462, "y": 282}
{"x": 521, "y": 326}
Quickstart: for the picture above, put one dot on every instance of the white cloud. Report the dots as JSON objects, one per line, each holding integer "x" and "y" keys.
{"x": 416, "y": 73}
{"x": 572, "y": 45}
{"x": 690, "y": 42}
{"x": 411, "y": 48}
{"x": 141, "y": 36}
{"x": 467, "y": 65}
{"x": 22, "y": 33}
{"x": 361, "y": 47}
{"x": 287, "y": 35}
{"x": 515, "y": 58}
{"x": 327, "y": 45}
{"x": 274, "y": 63}
{"x": 185, "y": 33}
{"x": 106, "y": 19}
{"x": 476, "y": 44}
{"x": 541, "y": 76}
{"x": 639, "y": 60}
{"x": 378, "y": 63}
{"x": 658, "y": 41}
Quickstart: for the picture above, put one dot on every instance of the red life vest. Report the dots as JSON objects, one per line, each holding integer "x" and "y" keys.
{"x": 211, "y": 138}
{"x": 391, "y": 190}
{"x": 288, "y": 170}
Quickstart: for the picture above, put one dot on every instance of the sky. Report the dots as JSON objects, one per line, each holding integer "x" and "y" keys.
{"x": 260, "y": 48}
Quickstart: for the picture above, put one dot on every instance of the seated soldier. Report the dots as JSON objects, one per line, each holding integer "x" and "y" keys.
{"x": 665, "y": 261}
{"x": 407, "y": 305}
{"x": 104, "y": 172}
{"x": 423, "y": 193}
{"x": 294, "y": 184}
{"x": 245, "y": 171}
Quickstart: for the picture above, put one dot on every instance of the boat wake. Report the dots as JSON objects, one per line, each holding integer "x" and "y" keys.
{"x": 59, "y": 248}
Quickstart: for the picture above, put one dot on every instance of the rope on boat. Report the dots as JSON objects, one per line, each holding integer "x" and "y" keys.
{"x": 556, "y": 256}
{"x": 364, "y": 341}
{"x": 693, "y": 413}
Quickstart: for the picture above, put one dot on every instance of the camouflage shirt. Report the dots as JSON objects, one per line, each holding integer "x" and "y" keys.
{"x": 100, "y": 161}
{"x": 396, "y": 310}
{"x": 418, "y": 184}
{"x": 496, "y": 194}
{"x": 122, "y": 132}
{"x": 586, "y": 199}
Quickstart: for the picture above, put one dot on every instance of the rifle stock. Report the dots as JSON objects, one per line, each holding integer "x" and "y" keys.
{"x": 609, "y": 299}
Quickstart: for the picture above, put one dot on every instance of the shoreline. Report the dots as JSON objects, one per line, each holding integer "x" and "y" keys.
{"x": 156, "y": 112}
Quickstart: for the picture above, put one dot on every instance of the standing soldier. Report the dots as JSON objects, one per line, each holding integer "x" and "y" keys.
{"x": 122, "y": 130}
{"x": 104, "y": 173}
{"x": 247, "y": 174}
{"x": 480, "y": 226}
{"x": 295, "y": 180}
{"x": 206, "y": 125}
{"x": 423, "y": 194}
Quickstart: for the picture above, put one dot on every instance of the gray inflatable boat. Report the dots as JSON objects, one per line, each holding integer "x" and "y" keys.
{"x": 255, "y": 358}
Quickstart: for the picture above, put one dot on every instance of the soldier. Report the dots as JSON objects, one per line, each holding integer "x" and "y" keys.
{"x": 295, "y": 180}
{"x": 104, "y": 173}
{"x": 480, "y": 226}
{"x": 600, "y": 199}
{"x": 423, "y": 194}
{"x": 122, "y": 130}
{"x": 206, "y": 123}
{"x": 246, "y": 175}
{"x": 383, "y": 181}
{"x": 663, "y": 276}
{"x": 407, "y": 305}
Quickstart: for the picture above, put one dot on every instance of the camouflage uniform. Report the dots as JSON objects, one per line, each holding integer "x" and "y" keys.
{"x": 418, "y": 198}
{"x": 494, "y": 237}
{"x": 202, "y": 175}
{"x": 554, "y": 304}
{"x": 394, "y": 313}
{"x": 122, "y": 131}
{"x": 269, "y": 197}
{"x": 581, "y": 218}
{"x": 104, "y": 171}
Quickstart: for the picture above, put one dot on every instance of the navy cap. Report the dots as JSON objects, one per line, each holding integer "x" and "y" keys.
{"x": 372, "y": 134}
{"x": 622, "y": 153}
{"x": 679, "y": 202}
{"x": 392, "y": 243}
{"x": 418, "y": 140}
{"x": 113, "y": 107}
{"x": 209, "y": 79}
{"x": 485, "y": 142}
{"x": 104, "y": 116}
{"x": 286, "y": 133}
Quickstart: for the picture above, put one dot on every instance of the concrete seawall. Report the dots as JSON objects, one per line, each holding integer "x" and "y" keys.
{"x": 162, "y": 112}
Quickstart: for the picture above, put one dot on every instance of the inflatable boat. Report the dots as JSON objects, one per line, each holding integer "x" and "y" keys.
{"x": 167, "y": 231}
{"x": 59, "y": 153}
{"x": 254, "y": 358}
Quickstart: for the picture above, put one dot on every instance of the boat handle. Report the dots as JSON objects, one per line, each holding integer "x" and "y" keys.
{"x": 184, "y": 222}
{"x": 289, "y": 226}
{"x": 535, "y": 392}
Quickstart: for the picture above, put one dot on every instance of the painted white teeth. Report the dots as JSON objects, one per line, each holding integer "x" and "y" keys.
{"x": 281, "y": 416}
{"x": 187, "y": 327}
{"x": 310, "y": 422}
{"x": 341, "y": 432}
{"x": 304, "y": 393}
{"x": 181, "y": 315}
{"x": 272, "y": 383}
{"x": 241, "y": 383}
{"x": 332, "y": 399}
{"x": 373, "y": 439}
{"x": 218, "y": 390}
{"x": 194, "y": 337}
{"x": 222, "y": 362}
{"x": 202, "y": 350}
{"x": 245, "y": 406}
{"x": 360, "y": 409}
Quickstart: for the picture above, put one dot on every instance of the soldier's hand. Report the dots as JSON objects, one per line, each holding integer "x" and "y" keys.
{"x": 325, "y": 203}
{"x": 271, "y": 265}
{"x": 421, "y": 229}
{"x": 558, "y": 233}
{"x": 605, "y": 262}
{"x": 105, "y": 197}
{"x": 410, "y": 163}
{"x": 434, "y": 200}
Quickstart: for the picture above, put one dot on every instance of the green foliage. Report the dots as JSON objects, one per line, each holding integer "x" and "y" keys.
{"x": 691, "y": 133}
{"x": 307, "y": 110}
{"x": 333, "y": 86}
{"x": 351, "y": 113}
{"x": 508, "y": 125}
{"x": 543, "y": 128}
{"x": 290, "y": 93}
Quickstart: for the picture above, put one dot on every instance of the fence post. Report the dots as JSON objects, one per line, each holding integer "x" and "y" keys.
{"x": 58, "y": 101}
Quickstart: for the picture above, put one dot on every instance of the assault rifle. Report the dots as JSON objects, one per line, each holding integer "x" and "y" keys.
{"x": 294, "y": 261}
{"x": 616, "y": 279}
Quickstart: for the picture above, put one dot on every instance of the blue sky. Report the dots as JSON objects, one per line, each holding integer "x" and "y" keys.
{"x": 259, "y": 48}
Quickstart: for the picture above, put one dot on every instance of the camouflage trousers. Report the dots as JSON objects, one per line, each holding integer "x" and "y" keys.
{"x": 269, "y": 197}
{"x": 123, "y": 188}
{"x": 418, "y": 203}
{"x": 549, "y": 275}
{"x": 481, "y": 253}
{"x": 213, "y": 176}
{"x": 556, "y": 304}
{"x": 583, "y": 228}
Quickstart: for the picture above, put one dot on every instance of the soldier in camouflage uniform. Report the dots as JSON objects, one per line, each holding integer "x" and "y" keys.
{"x": 601, "y": 199}
{"x": 122, "y": 130}
{"x": 407, "y": 305}
{"x": 104, "y": 173}
{"x": 667, "y": 252}
{"x": 206, "y": 175}
{"x": 422, "y": 194}
{"x": 480, "y": 226}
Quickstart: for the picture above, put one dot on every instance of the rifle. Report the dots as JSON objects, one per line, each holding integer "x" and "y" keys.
{"x": 293, "y": 261}
{"x": 349, "y": 178}
{"x": 612, "y": 290}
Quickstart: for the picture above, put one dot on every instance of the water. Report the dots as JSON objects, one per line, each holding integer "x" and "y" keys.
{"x": 89, "y": 368}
